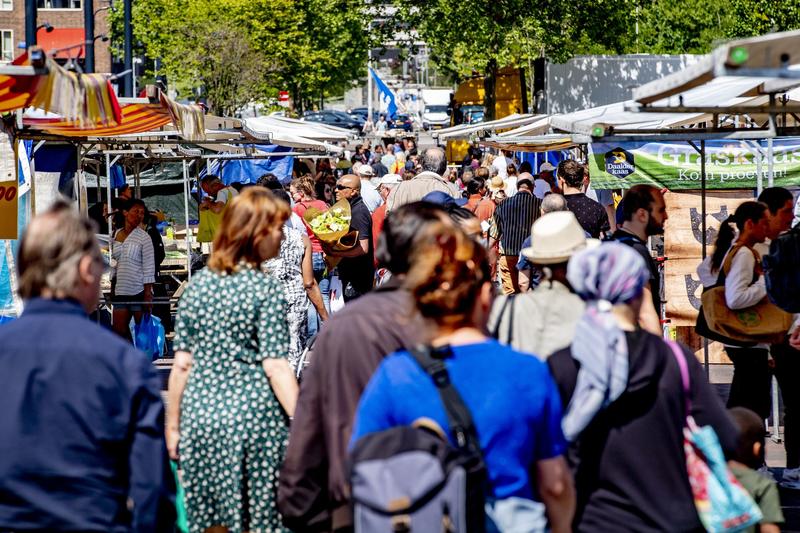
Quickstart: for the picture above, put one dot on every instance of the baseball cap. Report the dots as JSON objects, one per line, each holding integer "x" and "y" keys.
{"x": 388, "y": 179}
{"x": 443, "y": 199}
{"x": 365, "y": 170}
{"x": 546, "y": 167}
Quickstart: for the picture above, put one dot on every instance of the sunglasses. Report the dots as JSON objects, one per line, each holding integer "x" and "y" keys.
{"x": 342, "y": 187}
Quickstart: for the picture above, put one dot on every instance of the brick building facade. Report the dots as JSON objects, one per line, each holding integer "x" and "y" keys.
{"x": 66, "y": 18}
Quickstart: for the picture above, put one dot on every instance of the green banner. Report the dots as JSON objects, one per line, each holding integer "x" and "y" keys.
{"x": 676, "y": 165}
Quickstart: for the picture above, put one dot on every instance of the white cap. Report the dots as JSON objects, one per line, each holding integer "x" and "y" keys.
{"x": 388, "y": 179}
{"x": 546, "y": 167}
{"x": 365, "y": 170}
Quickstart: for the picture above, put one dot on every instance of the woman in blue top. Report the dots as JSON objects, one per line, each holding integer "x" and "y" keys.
{"x": 513, "y": 401}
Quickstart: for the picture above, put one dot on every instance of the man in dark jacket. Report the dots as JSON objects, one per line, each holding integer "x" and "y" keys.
{"x": 313, "y": 493}
{"x": 82, "y": 422}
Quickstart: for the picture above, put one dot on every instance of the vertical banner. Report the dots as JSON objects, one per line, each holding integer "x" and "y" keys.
{"x": 683, "y": 237}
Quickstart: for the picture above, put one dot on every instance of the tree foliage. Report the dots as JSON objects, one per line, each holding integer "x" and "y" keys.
{"x": 757, "y": 17}
{"x": 307, "y": 46}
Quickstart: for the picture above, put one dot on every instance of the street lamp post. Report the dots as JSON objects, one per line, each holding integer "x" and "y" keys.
{"x": 369, "y": 86}
{"x": 88, "y": 32}
{"x": 128, "y": 49}
{"x": 30, "y": 23}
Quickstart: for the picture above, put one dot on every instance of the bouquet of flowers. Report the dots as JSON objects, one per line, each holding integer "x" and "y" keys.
{"x": 333, "y": 225}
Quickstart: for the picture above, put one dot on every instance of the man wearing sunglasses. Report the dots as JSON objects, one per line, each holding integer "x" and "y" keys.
{"x": 356, "y": 269}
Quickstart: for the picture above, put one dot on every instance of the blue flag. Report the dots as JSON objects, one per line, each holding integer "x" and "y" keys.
{"x": 386, "y": 95}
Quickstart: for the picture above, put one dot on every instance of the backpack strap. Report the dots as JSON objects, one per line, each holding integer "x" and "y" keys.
{"x": 458, "y": 415}
{"x": 495, "y": 333}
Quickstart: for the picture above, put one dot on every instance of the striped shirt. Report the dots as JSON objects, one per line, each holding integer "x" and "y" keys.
{"x": 135, "y": 265}
{"x": 512, "y": 221}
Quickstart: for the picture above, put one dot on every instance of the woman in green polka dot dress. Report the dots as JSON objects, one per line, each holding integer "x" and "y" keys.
{"x": 231, "y": 388}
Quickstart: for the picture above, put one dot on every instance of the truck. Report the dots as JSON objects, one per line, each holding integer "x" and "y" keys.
{"x": 435, "y": 104}
{"x": 468, "y": 104}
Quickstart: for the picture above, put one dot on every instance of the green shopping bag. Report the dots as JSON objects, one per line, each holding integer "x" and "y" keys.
{"x": 181, "y": 524}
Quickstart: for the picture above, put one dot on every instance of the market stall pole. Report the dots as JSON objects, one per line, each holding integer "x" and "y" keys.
{"x": 186, "y": 218}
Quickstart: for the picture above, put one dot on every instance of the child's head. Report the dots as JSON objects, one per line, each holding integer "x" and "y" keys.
{"x": 750, "y": 450}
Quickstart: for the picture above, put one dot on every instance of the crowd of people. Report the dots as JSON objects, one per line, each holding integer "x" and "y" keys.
{"x": 568, "y": 398}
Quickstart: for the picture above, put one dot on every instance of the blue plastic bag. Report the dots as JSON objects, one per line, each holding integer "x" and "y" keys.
{"x": 149, "y": 336}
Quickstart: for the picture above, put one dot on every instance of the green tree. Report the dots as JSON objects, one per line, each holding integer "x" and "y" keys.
{"x": 681, "y": 26}
{"x": 757, "y": 17}
{"x": 311, "y": 47}
{"x": 481, "y": 35}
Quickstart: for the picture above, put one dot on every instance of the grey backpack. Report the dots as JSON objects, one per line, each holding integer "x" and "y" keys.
{"x": 411, "y": 479}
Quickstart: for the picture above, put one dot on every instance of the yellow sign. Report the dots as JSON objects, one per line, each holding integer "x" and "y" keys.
{"x": 8, "y": 209}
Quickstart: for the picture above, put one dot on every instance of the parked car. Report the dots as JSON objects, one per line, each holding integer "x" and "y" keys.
{"x": 403, "y": 122}
{"x": 362, "y": 112}
{"x": 330, "y": 117}
{"x": 435, "y": 116}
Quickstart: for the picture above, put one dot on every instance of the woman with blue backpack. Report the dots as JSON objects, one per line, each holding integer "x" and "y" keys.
{"x": 464, "y": 415}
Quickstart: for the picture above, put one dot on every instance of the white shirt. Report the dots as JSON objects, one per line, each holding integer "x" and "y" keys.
{"x": 511, "y": 186}
{"x": 501, "y": 164}
{"x": 295, "y": 222}
{"x": 372, "y": 198}
{"x": 740, "y": 291}
{"x": 226, "y": 194}
{"x": 134, "y": 263}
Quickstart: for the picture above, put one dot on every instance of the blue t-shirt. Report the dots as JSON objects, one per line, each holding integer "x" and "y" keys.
{"x": 514, "y": 404}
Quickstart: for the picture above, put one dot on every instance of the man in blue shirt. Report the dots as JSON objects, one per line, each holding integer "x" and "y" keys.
{"x": 82, "y": 423}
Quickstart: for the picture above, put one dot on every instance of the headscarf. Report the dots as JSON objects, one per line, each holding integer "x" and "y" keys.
{"x": 605, "y": 276}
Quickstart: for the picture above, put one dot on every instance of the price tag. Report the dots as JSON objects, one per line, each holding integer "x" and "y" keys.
{"x": 8, "y": 209}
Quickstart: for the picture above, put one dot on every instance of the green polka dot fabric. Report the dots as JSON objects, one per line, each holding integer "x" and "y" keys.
{"x": 233, "y": 430}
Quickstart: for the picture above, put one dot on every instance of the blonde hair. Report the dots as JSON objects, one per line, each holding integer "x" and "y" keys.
{"x": 305, "y": 184}
{"x": 51, "y": 249}
{"x": 448, "y": 269}
{"x": 250, "y": 216}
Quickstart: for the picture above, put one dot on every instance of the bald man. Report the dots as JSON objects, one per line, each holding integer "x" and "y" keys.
{"x": 356, "y": 269}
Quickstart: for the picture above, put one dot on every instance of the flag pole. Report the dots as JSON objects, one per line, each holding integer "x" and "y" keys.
{"x": 369, "y": 86}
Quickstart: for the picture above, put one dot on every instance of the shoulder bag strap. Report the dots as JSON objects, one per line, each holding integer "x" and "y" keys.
{"x": 680, "y": 357}
{"x": 495, "y": 333}
{"x": 513, "y": 299}
{"x": 458, "y": 415}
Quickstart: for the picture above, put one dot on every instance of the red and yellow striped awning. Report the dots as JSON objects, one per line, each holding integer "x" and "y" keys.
{"x": 17, "y": 92}
{"x": 135, "y": 118}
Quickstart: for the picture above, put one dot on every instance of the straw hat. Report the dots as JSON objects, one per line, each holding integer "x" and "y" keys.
{"x": 496, "y": 184}
{"x": 555, "y": 237}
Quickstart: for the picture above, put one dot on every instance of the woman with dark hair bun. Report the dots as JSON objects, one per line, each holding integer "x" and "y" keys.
{"x": 512, "y": 399}
{"x": 736, "y": 258}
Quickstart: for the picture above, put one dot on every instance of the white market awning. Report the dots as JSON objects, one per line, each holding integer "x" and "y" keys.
{"x": 268, "y": 129}
{"x": 465, "y": 131}
{"x": 768, "y": 56}
{"x": 298, "y": 128}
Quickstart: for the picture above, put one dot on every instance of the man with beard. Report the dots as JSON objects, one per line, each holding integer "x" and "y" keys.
{"x": 644, "y": 213}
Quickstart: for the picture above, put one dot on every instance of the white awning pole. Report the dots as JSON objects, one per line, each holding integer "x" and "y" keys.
{"x": 186, "y": 218}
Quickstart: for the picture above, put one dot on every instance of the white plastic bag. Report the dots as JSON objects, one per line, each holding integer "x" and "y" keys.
{"x": 337, "y": 294}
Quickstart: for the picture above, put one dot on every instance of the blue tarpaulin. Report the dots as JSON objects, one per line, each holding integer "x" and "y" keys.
{"x": 249, "y": 170}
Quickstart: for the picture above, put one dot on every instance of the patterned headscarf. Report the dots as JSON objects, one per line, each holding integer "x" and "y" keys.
{"x": 605, "y": 276}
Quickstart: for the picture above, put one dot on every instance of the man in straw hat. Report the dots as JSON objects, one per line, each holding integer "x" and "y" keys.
{"x": 543, "y": 320}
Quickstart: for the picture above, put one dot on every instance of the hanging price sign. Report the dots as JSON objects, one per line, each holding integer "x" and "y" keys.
{"x": 8, "y": 209}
